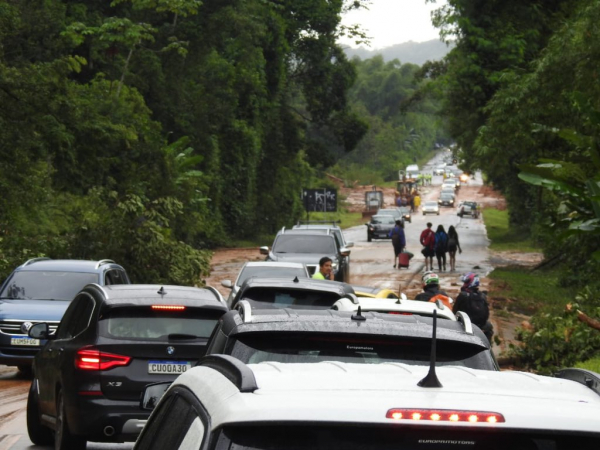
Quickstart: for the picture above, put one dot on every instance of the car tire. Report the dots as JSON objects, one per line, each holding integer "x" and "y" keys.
{"x": 24, "y": 370}
{"x": 438, "y": 213}
{"x": 63, "y": 439}
{"x": 38, "y": 433}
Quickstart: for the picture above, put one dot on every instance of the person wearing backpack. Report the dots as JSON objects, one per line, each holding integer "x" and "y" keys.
{"x": 441, "y": 247}
{"x": 474, "y": 302}
{"x": 427, "y": 240}
{"x": 453, "y": 245}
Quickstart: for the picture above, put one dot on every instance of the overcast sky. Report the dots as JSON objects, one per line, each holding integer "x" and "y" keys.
{"x": 390, "y": 22}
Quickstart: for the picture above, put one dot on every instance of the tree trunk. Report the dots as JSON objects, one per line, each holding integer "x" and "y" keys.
{"x": 122, "y": 80}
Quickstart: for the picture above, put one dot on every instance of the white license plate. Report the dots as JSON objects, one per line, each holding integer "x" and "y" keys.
{"x": 168, "y": 367}
{"x": 18, "y": 340}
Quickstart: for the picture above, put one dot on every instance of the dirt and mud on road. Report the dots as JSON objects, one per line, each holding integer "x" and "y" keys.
{"x": 371, "y": 262}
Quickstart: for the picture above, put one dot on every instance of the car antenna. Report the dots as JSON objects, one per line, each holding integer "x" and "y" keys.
{"x": 162, "y": 291}
{"x": 296, "y": 280}
{"x": 401, "y": 297}
{"x": 431, "y": 379}
{"x": 358, "y": 315}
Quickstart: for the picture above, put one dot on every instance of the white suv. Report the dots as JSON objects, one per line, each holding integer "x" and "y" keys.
{"x": 225, "y": 405}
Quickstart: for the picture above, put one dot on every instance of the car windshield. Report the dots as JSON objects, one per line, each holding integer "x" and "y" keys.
{"x": 253, "y": 348}
{"x": 383, "y": 220}
{"x": 362, "y": 436}
{"x": 305, "y": 243}
{"x": 388, "y": 212}
{"x": 271, "y": 272}
{"x": 145, "y": 323}
{"x": 42, "y": 285}
{"x": 445, "y": 196}
{"x": 280, "y": 297}
{"x": 431, "y": 204}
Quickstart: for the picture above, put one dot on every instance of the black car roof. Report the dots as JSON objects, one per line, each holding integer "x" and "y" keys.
{"x": 339, "y": 322}
{"x": 309, "y": 284}
{"x": 148, "y": 294}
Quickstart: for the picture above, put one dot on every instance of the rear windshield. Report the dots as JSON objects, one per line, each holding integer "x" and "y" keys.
{"x": 262, "y": 297}
{"x": 253, "y": 348}
{"x": 305, "y": 243}
{"x": 383, "y": 220}
{"x": 271, "y": 272}
{"x": 50, "y": 285}
{"x": 285, "y": 436}
{"x": 144, "y": 323}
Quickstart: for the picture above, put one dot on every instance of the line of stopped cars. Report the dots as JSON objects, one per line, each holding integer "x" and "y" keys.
{"x": 289, "y": 362}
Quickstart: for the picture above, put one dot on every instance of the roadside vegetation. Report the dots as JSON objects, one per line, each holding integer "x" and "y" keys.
{"x": 554, "y": 337}
{"x": 504, "y": 236}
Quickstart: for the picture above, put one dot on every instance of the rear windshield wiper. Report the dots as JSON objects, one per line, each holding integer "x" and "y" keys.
{"x": 176, "y": 336}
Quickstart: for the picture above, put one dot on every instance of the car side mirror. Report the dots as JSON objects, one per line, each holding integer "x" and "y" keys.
{"x": 227, "y": 283}
{"x": 152, "y": 394}
{"x": 40, "y": 331}
{"x": 264, "y": 250}
{"x": 344, "y": 251}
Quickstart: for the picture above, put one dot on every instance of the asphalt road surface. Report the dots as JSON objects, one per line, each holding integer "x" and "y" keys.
{"x": 371, "y": 265}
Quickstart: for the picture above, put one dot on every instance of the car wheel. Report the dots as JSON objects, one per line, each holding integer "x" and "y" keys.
{"x": 63, "y": 439}
{"x": 38, "y": 433}
{"x": 423, "y": 213}
{"x": 438, "y": 213}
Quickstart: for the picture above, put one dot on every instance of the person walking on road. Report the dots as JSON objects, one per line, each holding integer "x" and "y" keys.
{"x": 453, "y": 245}
{"x": 398, "y": 240}
{"x": 441, "y": 247}
{"x": 325, "y": 269}
{"x": 427, "y": 240}
{"x": 474, "y": 302}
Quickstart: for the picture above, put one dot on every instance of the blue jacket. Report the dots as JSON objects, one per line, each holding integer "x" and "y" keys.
{"x": 399, "y": 232}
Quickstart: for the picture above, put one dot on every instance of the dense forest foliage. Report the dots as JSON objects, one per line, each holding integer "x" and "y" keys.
{"x": 522, "y": 100}
{"x": 403, "y": 126}
{"x": 150, "y": 130}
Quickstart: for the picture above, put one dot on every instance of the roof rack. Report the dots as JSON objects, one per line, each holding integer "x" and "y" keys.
{"x": 104, "y": 261}
{"x": 216, "y": 293}
{"x": 233, "y": 369}
{"x": 582, "y": 376}
{"x": 318, "y": 222}
{"x": 245, "y": 310}
{"x": 33, "y": 260}
{"x": 464, "y": 318}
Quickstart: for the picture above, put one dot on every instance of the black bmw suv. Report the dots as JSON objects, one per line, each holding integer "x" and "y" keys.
{"x": 110, "y": 344}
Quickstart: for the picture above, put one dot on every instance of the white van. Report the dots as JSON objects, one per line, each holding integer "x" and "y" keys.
{"x": 412, "y": 171}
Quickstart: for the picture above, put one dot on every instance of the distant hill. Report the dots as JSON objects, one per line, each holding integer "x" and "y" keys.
{"x": 407, "y": 52}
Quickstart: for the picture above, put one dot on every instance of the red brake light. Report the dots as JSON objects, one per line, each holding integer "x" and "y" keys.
{"x": 444, "y": 415}
{"x": 91, "y": 359}
{"x": 168, "y": 307}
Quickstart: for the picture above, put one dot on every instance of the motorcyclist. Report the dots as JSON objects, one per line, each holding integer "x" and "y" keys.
{"x": 474, "y": 302}
{"x": 431, "y": 287}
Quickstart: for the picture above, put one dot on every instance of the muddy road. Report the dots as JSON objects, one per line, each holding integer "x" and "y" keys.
{"x": 371, "y": 265}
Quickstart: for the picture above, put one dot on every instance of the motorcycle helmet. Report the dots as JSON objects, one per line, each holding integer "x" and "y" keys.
{"x": 470, "y": 280}
{"x": 430, "y": 278}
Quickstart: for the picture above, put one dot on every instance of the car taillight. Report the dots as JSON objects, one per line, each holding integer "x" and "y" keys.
{"x": 168, "y": 307}
{"x": 444, "y": 415}
{"x": 91, "y": 359}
